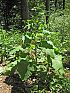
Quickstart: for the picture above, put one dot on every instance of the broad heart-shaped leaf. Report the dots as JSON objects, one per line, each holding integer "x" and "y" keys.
{"x": 49, "y": 52}
{"x": 47, "y": 44}
{"x": 25, "y": 70}
{"x": 57, "y": 64}
{"x": 51, "y": 43}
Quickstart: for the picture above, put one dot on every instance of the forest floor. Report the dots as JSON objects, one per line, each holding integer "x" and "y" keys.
{"x": 13, "y": 84}
{"x": 4, "y": 88}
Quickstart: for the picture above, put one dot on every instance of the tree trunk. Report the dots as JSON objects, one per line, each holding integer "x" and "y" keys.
{"x": 56, "y": 4}
{"x": 63, "y": 4}
{"x": 24, "y": 10}
{"x": 7, "y": 8}
{"x": 47, "y": 4}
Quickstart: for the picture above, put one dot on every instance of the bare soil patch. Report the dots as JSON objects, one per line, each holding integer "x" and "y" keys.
{"x": 13, "y": 84}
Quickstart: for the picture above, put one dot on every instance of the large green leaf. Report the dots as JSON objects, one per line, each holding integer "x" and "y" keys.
{"x": 57, "y": 64}
{"x": 48, "y": 52}
{"x": 50, "y": 43}
{"x": 25, "y": 70}
{"x": 47, "y": 44}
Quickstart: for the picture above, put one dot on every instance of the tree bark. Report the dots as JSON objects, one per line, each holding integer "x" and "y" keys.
{"x": 63, "y": 4}
{"x": 8, "y": 7}
{"x": 47, "y": 4}
{"x": 24, "y": 10}
{"x": 56, "y": 4}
